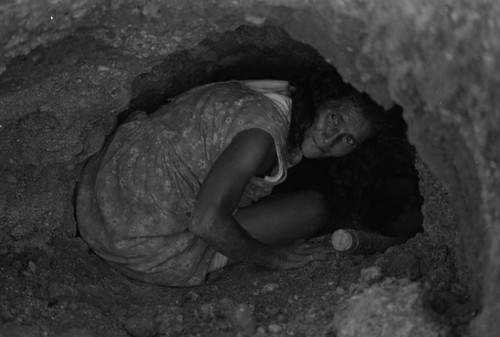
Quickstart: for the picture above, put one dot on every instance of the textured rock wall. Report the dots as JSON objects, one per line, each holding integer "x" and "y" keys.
{"x": 25, "y": 25}
{"x": 437, "y": 59}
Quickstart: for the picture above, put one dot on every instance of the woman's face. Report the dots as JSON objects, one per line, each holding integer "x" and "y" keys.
{"x": 335, "y": 132}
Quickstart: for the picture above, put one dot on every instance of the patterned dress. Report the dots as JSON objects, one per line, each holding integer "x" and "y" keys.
{"x": 136, "y": 196}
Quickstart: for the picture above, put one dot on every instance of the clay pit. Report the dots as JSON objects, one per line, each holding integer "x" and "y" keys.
{"x": 70, "y": 71}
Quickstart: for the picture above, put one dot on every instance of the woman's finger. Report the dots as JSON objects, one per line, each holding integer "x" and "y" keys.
{"x": 295, "y": 257}
{"x": 296, "y": 263}
{"x": 315, "y": 249}
{"x": 319, "y": 256}
{"x": 325, "y": 250}
{"x": 294, "y": 260}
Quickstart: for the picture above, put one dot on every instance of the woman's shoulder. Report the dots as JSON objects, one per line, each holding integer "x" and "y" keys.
{"x": 269, "y": 86}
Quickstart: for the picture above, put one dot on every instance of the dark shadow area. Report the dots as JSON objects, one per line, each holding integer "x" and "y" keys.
{"x": 376, "y": 188}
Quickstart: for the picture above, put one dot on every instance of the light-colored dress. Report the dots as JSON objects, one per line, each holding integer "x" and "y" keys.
{"x": 136, "y": 196}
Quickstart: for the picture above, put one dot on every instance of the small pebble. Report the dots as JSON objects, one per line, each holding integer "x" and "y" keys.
{"x": 261, "y": 330}
{"x": 370, "y": 274}
{"x": 192, "y": 296}
{"x": 269, "y": 287}
{"x": 207, "y": 311}
{"x": 31, "y": 267}
{"x": 242, "y": 318}
{"x": 21, "y": 230}
{"x": 167, "y": 321}
{"x": 226, "y": 302}
{"x": 407, "y": 265}
{"x": 275, "y": 328}
{"x": 256, "y": 20}
{"x": 281, "y": 318}
{"x": 274, "y": 311}
{"x": 142, "y": 324}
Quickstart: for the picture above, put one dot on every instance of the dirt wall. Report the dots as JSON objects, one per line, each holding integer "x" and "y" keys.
{"x": 435, "y": 59}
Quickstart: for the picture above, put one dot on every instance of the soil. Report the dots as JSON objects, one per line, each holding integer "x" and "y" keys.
{"x": 68, "y": 291}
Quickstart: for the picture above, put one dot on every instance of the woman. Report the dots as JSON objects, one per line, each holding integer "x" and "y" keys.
{"x": 176, "y": 194}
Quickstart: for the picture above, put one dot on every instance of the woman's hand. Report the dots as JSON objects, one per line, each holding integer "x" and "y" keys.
{"x": 295, "y": 256}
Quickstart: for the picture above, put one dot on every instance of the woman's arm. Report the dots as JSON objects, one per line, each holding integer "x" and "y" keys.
{"x": 251, "y": 153}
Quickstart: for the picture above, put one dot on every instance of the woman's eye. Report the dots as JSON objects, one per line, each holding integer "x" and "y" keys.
{"x": 349, "y": 140}
{"x": 333, "y": 118}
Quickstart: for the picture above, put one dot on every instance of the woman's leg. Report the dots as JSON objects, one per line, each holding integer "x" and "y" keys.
{"x": 285, "y": 218}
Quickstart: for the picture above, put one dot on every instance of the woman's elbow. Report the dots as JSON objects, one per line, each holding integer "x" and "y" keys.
{"x": 201, "y": 224}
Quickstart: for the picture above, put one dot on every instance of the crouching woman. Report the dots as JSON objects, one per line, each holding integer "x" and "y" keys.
{"x": 183, "y": 191}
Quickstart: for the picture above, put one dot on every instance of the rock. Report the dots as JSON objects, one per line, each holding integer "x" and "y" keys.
{"x": 207, "y": 311}
{"x": 169, "y": 324}
{"x": 56, "y": 291}
{"x": 390, "y": 308}
{"x": 275, "y": 328}
{"x": 370, "y": 274}
{"x": 242, "y": 319}
{"x": 261, "y": 330}
{"x": 142, "y": 324}
{"x": 192, "y": 296}
{"x": 31, "y": 268}
{"x": 269, "y": 287}
{"x": 406, "y": 265}
{"x": 21, "y": 230}
{"x": 226, "y": 303}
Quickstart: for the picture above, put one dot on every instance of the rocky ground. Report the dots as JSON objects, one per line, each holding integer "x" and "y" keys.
{"x": 410, "y": 290}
